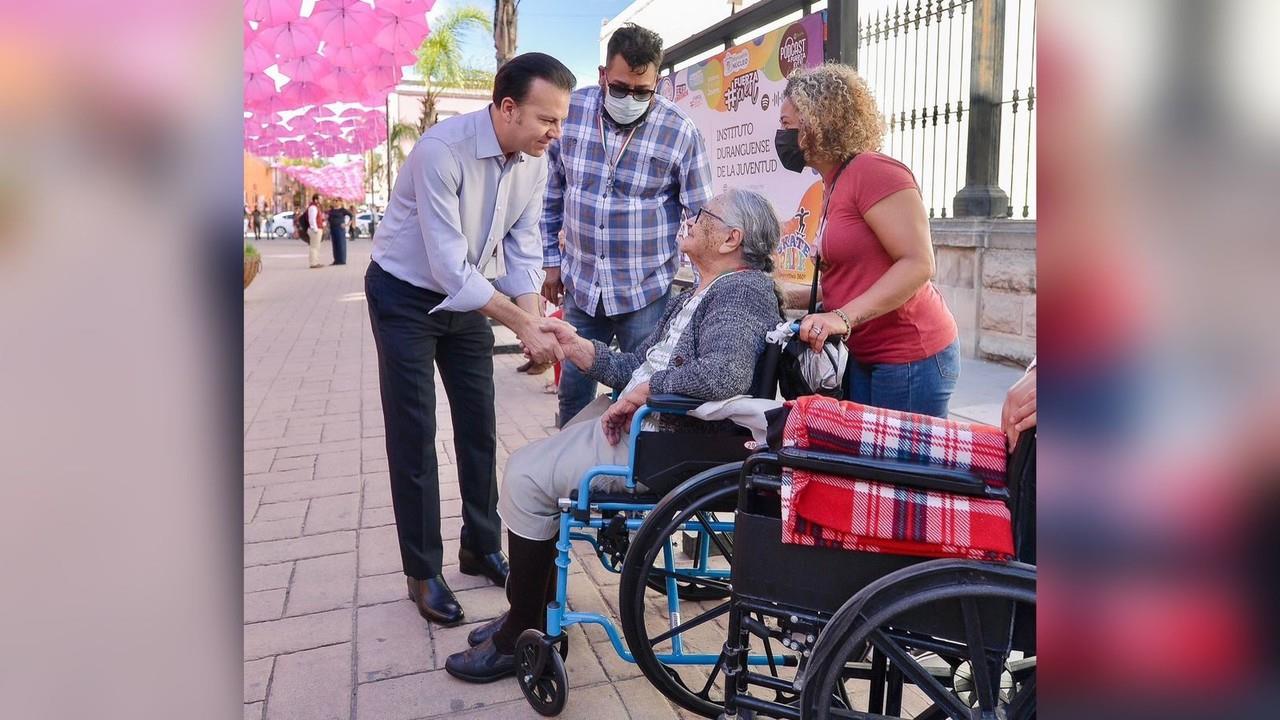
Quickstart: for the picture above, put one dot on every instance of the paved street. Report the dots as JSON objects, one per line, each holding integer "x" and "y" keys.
{"x": 329, "y": 632}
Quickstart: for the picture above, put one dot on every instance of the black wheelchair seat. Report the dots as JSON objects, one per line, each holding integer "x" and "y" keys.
{"x": 648, "y": 498}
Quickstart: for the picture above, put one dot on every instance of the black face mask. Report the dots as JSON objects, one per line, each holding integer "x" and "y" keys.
{"x": 787, "y": 145}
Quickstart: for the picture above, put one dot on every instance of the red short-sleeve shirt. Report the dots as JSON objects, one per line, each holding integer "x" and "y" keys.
{"x": 853, "y": 260}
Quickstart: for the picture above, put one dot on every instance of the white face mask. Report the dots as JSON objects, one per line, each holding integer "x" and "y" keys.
{"x": 624, "y": 110}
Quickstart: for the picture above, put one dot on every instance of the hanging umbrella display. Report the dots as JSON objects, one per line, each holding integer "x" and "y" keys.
{"x": 258, "y": 87}
{"x": 257, "y": 58}
{"x": 272, "y": 12}
{"x": 291, "y": 39}
{"x": 344, "y": 23}
{"x": 353, "y": 57}
{"x": 406, "y": 7}
{"x": 297, "y": 93}
{"x": 309, "y": 68}
{"x": 401, "y": 32}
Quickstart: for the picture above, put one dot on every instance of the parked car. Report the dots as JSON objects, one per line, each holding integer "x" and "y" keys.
{"x": 281, "y": 224}
{"x": 362, "y": 222}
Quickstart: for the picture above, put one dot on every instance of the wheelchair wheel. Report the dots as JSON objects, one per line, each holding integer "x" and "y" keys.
{"x": 703, "y": 503}
{"x": 953, "y": 639}
{"x": 540, "y": 672}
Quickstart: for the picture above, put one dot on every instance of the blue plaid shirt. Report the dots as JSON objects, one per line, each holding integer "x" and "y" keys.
{"x": 620, "y": 245}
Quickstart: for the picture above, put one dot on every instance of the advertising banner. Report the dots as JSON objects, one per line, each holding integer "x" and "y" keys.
{"x": 734, "y": 99}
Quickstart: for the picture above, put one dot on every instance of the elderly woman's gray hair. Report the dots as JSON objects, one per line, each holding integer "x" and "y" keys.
{"x": 752, "y": 213}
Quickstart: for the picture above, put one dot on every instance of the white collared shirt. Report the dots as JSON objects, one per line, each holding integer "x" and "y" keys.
{"x": 457, "y": 201}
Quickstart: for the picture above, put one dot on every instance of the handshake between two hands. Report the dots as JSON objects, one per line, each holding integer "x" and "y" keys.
{"x": 547, "y": 340}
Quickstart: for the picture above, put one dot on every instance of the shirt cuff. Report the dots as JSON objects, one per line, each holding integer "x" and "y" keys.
{"x": 473, "y": 295}
{"x": 519, "y": 282}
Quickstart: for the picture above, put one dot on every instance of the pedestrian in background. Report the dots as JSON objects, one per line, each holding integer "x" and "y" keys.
{"x": 257, "y": 222}
{"x": 338, "y": 218}
{"x": 311, "y": 220}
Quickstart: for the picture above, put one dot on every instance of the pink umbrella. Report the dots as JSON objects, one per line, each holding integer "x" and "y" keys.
{"x": 401, "y": 32}
{"x": 302, "y": 124}
{"x": 272, "y": 12}
{"x": 257, "y": 58}
{"x": 309, "y": 68}
{"x": 258, "y": 87}
{"x": 406, "y": 7}
{"x": 406, "y": 57}
{"x": 300, "y": 92}
{"x": 343, "y": 23}
{"x": 291, "y": 39}
{"x": 270, "y": 105}
{"x": 354, "y": 57}
{"x": 344, "y": 83}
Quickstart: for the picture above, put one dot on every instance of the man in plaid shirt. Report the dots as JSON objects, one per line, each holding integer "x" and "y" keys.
{"x": 628, "y": 167}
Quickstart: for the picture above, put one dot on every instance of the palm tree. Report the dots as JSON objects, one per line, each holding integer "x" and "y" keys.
{"x": 440, "y": 58}
{"x": 504, "y": 29}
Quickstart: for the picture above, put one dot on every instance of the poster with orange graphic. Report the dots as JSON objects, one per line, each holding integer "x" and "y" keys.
{"x": 734, "y": 98}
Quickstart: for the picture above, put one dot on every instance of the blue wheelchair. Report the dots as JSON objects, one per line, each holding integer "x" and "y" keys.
{"x": 691, "y": 479}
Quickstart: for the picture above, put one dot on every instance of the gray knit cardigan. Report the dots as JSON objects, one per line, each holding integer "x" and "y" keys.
{"x": 715, "y": 357}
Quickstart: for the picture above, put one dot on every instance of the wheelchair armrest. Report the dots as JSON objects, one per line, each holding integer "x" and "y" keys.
{"x": 889, "y": 471}
{"x": 674, "y": 404}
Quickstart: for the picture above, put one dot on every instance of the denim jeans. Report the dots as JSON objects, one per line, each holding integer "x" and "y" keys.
{"x": 923, "y": 386}
{"x": 577, "y": 390}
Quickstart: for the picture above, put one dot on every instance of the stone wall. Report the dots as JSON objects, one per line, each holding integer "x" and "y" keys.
{"x": 986, "y": 270}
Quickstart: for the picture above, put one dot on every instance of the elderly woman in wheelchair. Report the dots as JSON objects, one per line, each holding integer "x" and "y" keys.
{"x": 705, "y": 347}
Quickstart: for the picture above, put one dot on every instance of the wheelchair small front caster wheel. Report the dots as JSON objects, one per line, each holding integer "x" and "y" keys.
{"x": 540, "y": 672}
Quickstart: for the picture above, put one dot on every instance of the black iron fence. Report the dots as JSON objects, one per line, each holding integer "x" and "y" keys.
{"x": 955, "y": 80}
{"x": 918, "y": 58}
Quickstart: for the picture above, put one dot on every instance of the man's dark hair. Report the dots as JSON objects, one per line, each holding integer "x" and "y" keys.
{"x": 516, "y": 76}
{"x": 315, "y": 198}
{"x": 639, "y": 46}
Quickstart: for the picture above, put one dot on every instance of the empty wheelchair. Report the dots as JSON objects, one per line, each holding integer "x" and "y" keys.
{"x": 692, "y": 478}
{"x": 860, "y": 628}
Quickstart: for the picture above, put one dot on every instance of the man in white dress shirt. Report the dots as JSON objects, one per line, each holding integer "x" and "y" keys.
{"x": 471, "y": 188}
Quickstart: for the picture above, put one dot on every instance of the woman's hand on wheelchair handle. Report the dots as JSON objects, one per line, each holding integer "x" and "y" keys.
{"x": 817, "y": 328}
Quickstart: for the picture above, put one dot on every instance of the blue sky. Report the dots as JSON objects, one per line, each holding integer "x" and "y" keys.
{"x": 567, "y": 29}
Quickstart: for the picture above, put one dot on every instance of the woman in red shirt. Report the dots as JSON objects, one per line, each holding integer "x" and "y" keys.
{"x": 877, "y": 257}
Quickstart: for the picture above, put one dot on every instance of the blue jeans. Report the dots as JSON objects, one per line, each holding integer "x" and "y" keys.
{"x": 631, "y": 329}
{"x": 923, "y": 386}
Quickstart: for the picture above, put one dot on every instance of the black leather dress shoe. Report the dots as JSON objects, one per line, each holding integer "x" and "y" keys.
{"x": 435, "y": 601}
{"x": 481, "y": 664}
{"x": 486, "y": 631}
{"x": 492, "y": 566}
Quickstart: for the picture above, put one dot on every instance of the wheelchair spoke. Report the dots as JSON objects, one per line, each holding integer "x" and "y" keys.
{"x": 983, "y": 683}
{"x": 711, "y": 614}
{"x": 705, "y": 692}
{"x": 717, "y": 538}
{"x": 922, "y": 678}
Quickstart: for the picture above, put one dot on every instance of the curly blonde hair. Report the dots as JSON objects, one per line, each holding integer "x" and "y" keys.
{"x": 838, "y": 115}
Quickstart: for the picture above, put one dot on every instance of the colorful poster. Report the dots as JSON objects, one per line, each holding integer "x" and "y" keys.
{"x": 734, "y": 99}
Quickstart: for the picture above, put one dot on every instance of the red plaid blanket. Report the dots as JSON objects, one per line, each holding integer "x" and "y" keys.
{"x": 832, "y": 511}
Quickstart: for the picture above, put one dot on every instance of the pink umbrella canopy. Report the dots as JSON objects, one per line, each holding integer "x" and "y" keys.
{"x": 291, "y": 39}
{"x": 297, "y": 93}
{"x": 257, "y": 58}
{"x": 406, "y": 7}
{"x": 353, "y": 57}
{"x": 400, "y": 32}
{"x": 302, "y": 125}
{"x": 309, "y": 68}
{"x": 272, "y": 12}
{"x": 258, "y": 87}
{"x": 344, "y": 23}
